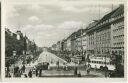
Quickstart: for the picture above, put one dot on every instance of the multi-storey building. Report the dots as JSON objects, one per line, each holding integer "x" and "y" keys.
{"x": 54, "y": 47}
{"x": 117, "y": 32}
{"x": 64, "y": 45}
{"x": 106, "y": 35}
{"x": 77, "y": 45}
{"x": 84, "y": 41}
{"x": 68, "y": 44}
{"x": 79, "y": 40}
{"x": 91, "y": 38}
{"x": 103, "y": 35}
{"x": 100, "y": 38}
{"x": 73, "y": 43}
{"x": 58, "y": 46}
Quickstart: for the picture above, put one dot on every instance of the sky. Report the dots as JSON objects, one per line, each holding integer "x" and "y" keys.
{"x": 49, "y": 22}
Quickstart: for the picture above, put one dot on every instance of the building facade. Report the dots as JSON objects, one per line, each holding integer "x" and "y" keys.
{"x": 54, "y": 47}
{"x": 68, "y": 44}
{"x": 91, "y": 38}
{"x": 84, "y": 41}
{"x": 107, "y": 35}
{"x": 100, "y": 38}
{"x": 117, "y": 32}
{"x": 58, "y": 47}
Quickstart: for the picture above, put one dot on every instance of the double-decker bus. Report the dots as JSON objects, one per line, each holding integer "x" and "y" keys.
{"x": 101, "y": 63}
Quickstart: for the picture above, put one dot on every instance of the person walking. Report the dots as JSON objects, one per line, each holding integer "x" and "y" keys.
{"x": 25, "y": 75}
{"x": 75, "y": 71}
{"x": 23, "y": 68}
{"x": 57, "y": 63}
{"x": 30, "y": 73}
{"x": 88, "y": 69}
{"x": 16, "y": 71}
{"x": 79, "y": 74}
{"x": 8, "y": 71}
{"x": 95, "y": 68}
{"x": 36, "y": 72}
{"x": 40, "y": 72}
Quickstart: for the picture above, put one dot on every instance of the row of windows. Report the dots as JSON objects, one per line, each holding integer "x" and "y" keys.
{"x": 99, "y": 51}
{"x": 103, "y": 40}
{"x": 119, "y": 43}
{"x": 119, "y": 28}
{"x": 118, "y": 36}
{"x": 84, "y": 39}
{"x": 103, "y": 43}
{"x": 91, "y": 38}
{"x": 103, "y": 36}
{"x": 91, "y": 43}
{"x": 101, "y": 62}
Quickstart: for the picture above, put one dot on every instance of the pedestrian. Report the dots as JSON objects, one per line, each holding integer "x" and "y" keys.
{"x": 75, "y": 71}
{"x": 16, "y": 71}
{"x": 23, "y": 68}
{"x": 9, "y": 74}
{"x": 66, "y": 67}
{"x": 30, "y": 73}
{"x": 85, "y": 66}
{"x": 79, "y": 74}
{"x": 18, "y": 74}
{"x": 40, "y": 72}
{"x": 57, "y": 63}
{"x": 95, "y": 68}
{"x": 25, "y": 75}
{"x": 88, "y": 71}
{"x": 110, "y": 73}
{"x": 36, "y": 72}
{"x": 8, "y": 71}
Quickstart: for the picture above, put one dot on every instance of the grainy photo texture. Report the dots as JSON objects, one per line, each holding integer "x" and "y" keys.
{"x": 64, "y": 40}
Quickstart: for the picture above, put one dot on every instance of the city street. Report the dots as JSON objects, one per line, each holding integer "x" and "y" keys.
{"x": 54, "y": 72}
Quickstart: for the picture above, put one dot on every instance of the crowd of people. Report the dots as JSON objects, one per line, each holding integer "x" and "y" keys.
{"x": 37, "y": 71}
{"x": 21, "y": 72}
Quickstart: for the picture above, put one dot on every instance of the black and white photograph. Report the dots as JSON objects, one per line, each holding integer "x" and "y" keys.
{"x": 64, "y": 39}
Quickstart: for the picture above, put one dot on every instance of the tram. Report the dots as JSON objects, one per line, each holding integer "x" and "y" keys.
{"x": 43, "y": 66}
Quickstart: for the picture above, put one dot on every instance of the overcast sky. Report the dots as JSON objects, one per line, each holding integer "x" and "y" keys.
{"x": 49, "y": 22}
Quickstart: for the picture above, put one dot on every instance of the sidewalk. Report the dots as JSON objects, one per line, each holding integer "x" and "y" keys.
{"x": 62, "y": 73}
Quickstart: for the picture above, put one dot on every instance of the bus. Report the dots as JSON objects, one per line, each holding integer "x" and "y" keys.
{"x": 101, "y": 63}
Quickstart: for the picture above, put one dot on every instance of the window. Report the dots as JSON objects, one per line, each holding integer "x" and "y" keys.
{"x": 107, "y": 63}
